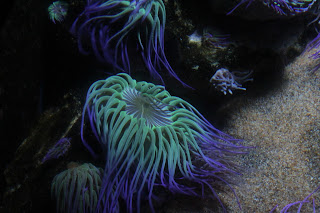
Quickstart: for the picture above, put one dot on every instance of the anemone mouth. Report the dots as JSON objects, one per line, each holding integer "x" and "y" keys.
{"x": 142, "y": 105}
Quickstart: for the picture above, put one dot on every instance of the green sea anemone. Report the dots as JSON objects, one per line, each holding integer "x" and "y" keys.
{"x": 77, "y": 188}
{"x": 58, "y": 11}
{"x": 152, "y": 139}
{"x": 114, "y": 29}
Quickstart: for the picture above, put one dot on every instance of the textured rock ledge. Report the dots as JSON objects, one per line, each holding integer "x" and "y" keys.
{"x": 284, "y": 127}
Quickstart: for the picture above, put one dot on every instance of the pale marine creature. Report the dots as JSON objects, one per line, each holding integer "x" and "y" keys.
{"x": 226, "y": 81}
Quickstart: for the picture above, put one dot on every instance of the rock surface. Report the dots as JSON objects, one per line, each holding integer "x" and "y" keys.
{"x": 284, "y": 128}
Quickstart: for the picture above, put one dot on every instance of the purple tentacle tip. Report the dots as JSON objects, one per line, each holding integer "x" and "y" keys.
{"x": 58, "y": 150}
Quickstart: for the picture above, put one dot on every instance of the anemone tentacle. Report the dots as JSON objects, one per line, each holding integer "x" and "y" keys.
{"x": 282, "y": 7}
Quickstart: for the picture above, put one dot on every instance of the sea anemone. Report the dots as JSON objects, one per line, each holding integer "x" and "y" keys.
{"x": 152, "y": 139}
{"x": 107, "y": 28}
{"x": 77, "y": 188}
{"x": 226, "y": 81}
{"x": 58, "y": 11}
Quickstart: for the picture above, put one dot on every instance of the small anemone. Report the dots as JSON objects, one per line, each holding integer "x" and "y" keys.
{"x": 58, "y": 11}
{"x": 226, "y": 81}
{"x": 77, "y": 188}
